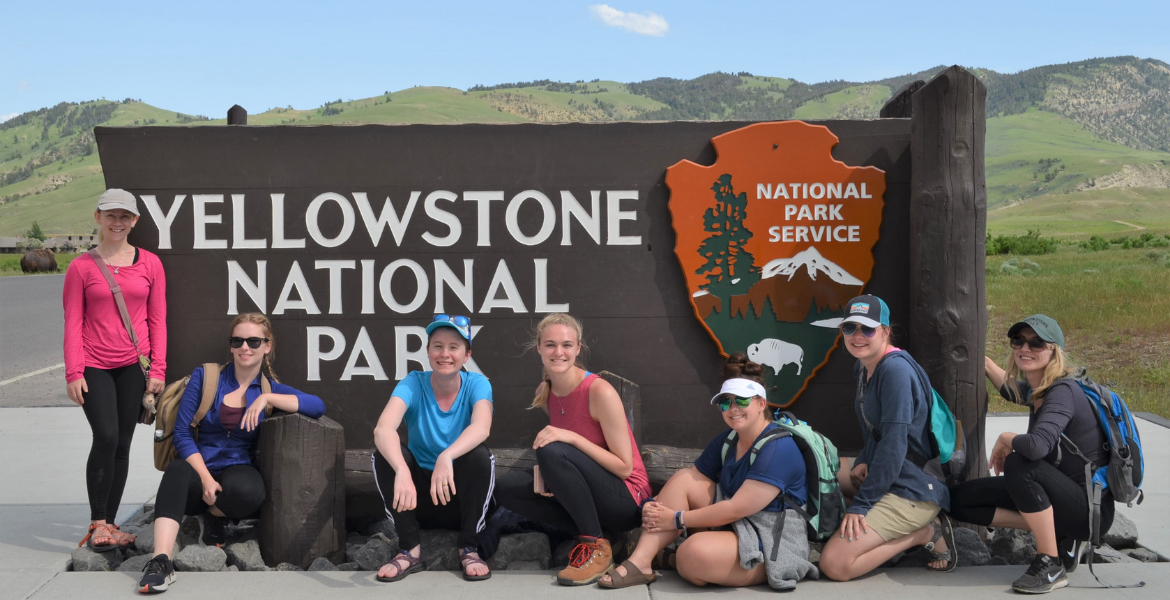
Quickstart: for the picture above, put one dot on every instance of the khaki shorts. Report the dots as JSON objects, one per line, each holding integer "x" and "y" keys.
{"x": 894, "y": 516}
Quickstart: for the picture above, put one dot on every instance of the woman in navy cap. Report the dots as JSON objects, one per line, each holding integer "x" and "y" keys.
{"x": 896, "y": 503}
{"x": 443, "y": 477}
{"x": 1038, "y": 492}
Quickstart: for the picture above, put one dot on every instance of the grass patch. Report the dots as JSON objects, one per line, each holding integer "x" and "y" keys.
{"x": 10, "y": 264}
{"x": 1079, "y": 215}
{"x": 854, "y": 102}
{"x": 1113, "y": 307}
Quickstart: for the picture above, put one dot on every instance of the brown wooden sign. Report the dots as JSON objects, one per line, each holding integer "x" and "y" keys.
{"x": 352, "y": 237}
{"x": 774, "y": 238}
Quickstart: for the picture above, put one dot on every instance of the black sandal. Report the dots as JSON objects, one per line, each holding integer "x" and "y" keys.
{"x": 466, "y": 560}
{"x": 413, "y": 565}
{"x": 945, "y": 531}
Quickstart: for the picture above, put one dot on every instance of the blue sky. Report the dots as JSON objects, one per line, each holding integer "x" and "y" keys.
{"x": 201, "y": 57}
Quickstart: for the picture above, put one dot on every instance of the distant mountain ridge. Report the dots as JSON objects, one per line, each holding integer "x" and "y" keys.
{"x": 1045, "y": 118}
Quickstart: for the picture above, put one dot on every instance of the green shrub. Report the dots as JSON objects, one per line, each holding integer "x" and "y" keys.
{"x": 1008, "y": 269}
{"x": 1029, "y": 243}
{"x": 1121, "y": 239}
{"x": 1095, "y": 244}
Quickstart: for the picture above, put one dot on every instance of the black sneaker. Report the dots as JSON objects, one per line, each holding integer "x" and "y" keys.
{"x": 158, "y": 575}
{"x": 1071, "y": 552}
{"x": 1044, "y": 575}
{"x": 214, "y": 530}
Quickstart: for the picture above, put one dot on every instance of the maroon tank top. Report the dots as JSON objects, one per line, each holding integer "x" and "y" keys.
{"x": 572, "y": 412}
{"x": 230, "y": 416}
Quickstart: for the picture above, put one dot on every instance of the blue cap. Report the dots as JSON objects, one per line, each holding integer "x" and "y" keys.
{"x": 867, "y": 310}
{"x": 459, "y": 323}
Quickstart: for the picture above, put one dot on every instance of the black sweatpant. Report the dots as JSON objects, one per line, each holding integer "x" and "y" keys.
{"x": 112, "y": 406}
{"x": 1029, "y": 486}
{"x": 587, "y": 499}
{"x": 181, "y": 492}
{"x": 467, "y": 512}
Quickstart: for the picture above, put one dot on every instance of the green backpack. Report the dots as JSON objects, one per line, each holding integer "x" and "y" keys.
{"x": 826, "y": 505}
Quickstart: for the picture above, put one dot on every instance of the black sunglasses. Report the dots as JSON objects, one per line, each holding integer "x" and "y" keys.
{"x": 1035, "y": 343}
{"x": 253, "y": 342}
{"x": 850, "y": 328}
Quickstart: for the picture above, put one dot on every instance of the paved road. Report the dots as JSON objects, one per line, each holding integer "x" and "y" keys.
{"x": 32, "y": 327}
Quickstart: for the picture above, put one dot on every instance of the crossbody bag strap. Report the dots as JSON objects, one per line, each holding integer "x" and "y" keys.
{"x": 121, "y": 302}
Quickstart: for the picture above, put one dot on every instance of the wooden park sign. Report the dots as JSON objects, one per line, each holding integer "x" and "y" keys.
{"x": 352, "y": 237}
{"x": 774, "y": 239}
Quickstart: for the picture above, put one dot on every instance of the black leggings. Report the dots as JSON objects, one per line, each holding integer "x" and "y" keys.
{"x": 1029, "y": 486}
{"x": 112, "y": 406}
{"x": 587, "y": 499}
{"x": 467, "y": 512}
{"x": 181, "y": 492}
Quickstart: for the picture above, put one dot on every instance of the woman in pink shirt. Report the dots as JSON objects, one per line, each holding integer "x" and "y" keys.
{"x": 102, "y": 372}
{"x": 592, "y": 472}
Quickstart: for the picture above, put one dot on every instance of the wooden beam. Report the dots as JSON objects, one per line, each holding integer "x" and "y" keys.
{"x": 948, "y": 227}
{"x": 898, "y": 106}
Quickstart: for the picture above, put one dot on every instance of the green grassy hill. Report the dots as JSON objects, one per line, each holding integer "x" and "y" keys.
{"x": 1090, "y": 130}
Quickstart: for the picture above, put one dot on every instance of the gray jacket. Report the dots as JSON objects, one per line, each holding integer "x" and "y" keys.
{"x": 785, "y": 556}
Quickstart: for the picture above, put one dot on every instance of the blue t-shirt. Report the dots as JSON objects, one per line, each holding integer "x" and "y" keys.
{"x": 779, "y": 463}
{"x": 430, "y": 429}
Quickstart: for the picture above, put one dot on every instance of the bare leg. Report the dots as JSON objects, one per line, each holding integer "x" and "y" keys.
{"x": 686, "y": 490}
{"x": 213, "y": 509}
{"x": 166, "y": 530}
{"x": 847, "y": 488}
{"x": 1043, "y": 528}
{"x": 1009, "y": 518}
{"x": 844, "y": 560}
{"x": 713, "y": 557}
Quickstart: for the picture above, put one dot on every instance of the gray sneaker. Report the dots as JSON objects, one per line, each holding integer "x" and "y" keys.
{"x": 1071, "y": 553}
{"x": 1044, "y": 575}
{"x": 157, "y": 575}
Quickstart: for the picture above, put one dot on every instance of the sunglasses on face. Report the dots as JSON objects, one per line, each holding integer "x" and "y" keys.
{"x": 850, "y": 328}
{"x": 253, "y": 342}
{"x": 725, "y": 402}
{"x": 1036, "y": 343}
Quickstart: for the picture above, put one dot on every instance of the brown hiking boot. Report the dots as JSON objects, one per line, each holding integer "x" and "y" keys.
{"x": 588, "y": 561}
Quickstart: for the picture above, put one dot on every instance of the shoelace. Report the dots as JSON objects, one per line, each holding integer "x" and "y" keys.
{"x": 581, "y": 554}
{"x": 156, "y": 563}
{"x": 1038, "y": 566}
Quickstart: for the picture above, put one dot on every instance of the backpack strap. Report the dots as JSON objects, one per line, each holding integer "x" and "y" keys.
{"x": 731, "y": 437}
{"x": 210, "y": 374}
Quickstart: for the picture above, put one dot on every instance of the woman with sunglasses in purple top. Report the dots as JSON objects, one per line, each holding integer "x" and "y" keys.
{"x": 212, "y": 474}
{"x": 1039, "y": 492}
{"x": 896, "y": 503}
{"x": 443, "y": 477}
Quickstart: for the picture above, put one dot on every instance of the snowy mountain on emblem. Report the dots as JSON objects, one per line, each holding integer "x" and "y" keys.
{"x": 814, "y": 263}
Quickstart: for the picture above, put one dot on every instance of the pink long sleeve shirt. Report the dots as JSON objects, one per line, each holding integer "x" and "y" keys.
{"x": 94, "y": 334}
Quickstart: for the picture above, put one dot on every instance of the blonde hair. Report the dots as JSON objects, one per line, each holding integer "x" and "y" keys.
{"x": 262, "y": 321}
{"x": 569, "y": 321}
{"x": 1057, "y": 368}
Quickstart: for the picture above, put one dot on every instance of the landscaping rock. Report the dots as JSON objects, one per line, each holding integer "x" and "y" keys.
{"x": 230, "y": 569}
{"x": 144, "y": 543}
{"x": 135, "y": 564}
{"x": 529, "y": 547}
{"x": 1142, "y": 554}
{"x": 1106, "y": 554}
{"x": 201, "y": 559}
{"x": 1122, "y": 534}
{"x": 322, "y": 564}
{"x": 349, "y": 566}
{"x": 246, "y": 556}
{"x": 972, "y": 551}
{"x": 384, "y": 527}
{"x": 287, "y": 567}
{"x": 374, "y": 553}
{"x": 189, "y": 533}
{"x": 1016, "y": 546}
{"x": 141, "y": 520}
{"x": 85, "y": 559}
{"x": 440, "y": 549}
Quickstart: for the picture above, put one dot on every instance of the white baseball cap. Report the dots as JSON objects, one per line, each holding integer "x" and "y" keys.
{"x": 740, "y": 388}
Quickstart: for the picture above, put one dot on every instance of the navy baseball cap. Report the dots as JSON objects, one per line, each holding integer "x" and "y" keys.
{"x": 867, "y": 310}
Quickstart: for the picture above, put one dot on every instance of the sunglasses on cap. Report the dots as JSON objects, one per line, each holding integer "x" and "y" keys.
{"x": 253, "y": 342}
{"x": 457, "y": 320}
{"x": 1035, "y": 343}
{"x": 849, "y": 328}
{"x": 725, "y": 402}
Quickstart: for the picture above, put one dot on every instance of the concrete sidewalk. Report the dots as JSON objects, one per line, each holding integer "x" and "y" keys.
{"x": 43, "y": 514}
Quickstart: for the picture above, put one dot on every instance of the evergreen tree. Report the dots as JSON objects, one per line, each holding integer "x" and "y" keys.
{"x": 730, "y": 268}
{"x": 35, "y": 232}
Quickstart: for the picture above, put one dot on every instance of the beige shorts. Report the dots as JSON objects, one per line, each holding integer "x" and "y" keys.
{"x": 894, "y": 516}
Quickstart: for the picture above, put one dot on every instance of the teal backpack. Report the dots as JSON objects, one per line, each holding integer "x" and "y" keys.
{"x": 826, "y": 505}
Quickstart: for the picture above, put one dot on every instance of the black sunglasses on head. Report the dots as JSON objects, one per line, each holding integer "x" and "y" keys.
{"x": 253, "y": 342}
{"x": 1035, "y": 343}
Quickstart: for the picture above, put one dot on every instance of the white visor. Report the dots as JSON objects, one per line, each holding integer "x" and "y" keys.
{"x": 740, "y": 388}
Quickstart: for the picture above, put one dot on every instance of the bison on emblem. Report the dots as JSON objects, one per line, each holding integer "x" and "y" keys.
{"x": 776, "y": 353}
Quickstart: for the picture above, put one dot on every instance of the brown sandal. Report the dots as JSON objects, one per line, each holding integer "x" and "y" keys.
{"x": 406, "y": 564}
{"x": 634, "y": 576}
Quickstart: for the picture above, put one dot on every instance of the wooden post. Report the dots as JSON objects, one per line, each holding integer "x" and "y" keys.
{"x": 631, "y": 397}
{"x": 948, "y": 225}
{"x": 237, "y": 115}
{"x": 302, "y": 461}
{"x": 898, "y": 106}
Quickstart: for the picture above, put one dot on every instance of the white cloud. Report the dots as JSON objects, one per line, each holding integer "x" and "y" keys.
{"x": 24, "y": 86}
{"x": 646, "y": 23}
{"x": 4, "y": 118}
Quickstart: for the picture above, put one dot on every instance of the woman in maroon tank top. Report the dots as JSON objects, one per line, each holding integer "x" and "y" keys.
{"x": 592, "y": 472}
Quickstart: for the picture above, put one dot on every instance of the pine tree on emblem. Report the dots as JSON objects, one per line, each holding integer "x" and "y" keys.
{"x": 730, "y": 268}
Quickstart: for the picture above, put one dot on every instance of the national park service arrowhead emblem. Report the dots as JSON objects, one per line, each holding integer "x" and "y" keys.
{"x": 774, "y": 239}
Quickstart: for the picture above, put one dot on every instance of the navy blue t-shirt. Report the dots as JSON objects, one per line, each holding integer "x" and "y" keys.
{"x": 779, "y": 463}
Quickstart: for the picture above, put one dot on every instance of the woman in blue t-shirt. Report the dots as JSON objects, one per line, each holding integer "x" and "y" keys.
{"x": 448, "y": 415}
{"x": 896, "y": 504}
{"x": 734, "y": 503}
